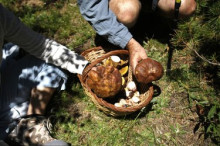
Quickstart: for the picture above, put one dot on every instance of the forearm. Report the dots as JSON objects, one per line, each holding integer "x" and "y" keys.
{"x": 37, "y": 45}
{"x": 59, "y": 55}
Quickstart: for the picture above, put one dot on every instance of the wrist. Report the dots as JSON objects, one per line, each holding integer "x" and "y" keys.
{"x": 132, "y": 46}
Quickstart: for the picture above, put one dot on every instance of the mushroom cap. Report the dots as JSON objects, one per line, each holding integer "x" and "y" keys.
{"x": 148, "y": 70}
{"x": 105, "y": 81}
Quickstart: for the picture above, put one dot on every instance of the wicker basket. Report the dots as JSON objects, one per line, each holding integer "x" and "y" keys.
{"x": 97, "y": 55}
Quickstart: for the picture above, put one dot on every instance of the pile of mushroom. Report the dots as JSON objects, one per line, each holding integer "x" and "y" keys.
{"x": 110, "y": 78}
{"x": 132, "y": 96}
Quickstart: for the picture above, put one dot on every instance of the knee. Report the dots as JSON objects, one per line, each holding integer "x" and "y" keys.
{"x": 187, "y": 8}
{"x": 127, "y": 12}
{"x": 167, "y": 8}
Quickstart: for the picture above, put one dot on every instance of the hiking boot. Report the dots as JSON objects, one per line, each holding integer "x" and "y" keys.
{"x": 34, "y": 131}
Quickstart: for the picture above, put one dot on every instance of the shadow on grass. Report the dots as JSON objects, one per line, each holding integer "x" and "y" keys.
{"x": 149, "y": 25}
{"x": 64, "y": 99}
{"x": 209, "y": 50}
{"x": 177, "y": 74}
{"x": 138, "y": 114}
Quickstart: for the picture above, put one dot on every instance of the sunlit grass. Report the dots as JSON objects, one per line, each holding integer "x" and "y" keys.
{"x": 166, "y": 121}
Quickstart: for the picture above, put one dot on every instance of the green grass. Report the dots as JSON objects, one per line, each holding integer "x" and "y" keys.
{"x": 189, "y": 82}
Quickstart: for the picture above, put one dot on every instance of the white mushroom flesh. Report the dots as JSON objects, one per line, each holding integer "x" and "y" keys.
{"x": 136, "y": 93}
{"x": 131, "y": 86}
{"x": 128, "y": 93}
{"x": 115, "y": 59}
{"x": 118, "y": 105}
{"x": 135, "y": 99}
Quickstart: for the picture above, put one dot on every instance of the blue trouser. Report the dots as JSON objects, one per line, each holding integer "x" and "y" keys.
{"x": 19, "y": 74}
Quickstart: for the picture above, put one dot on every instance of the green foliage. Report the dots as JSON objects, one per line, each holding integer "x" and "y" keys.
{"x": 59, "y": 20}
{"x": 201, "y": 35}
{"x": 211, "y": 122}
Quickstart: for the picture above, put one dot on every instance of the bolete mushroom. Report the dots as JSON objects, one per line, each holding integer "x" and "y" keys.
{"x": 105, "y": 81}
{"x": 148, "y": 70}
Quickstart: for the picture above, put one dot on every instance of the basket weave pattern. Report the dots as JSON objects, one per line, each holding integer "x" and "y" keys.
{"x": 97, "y": 55}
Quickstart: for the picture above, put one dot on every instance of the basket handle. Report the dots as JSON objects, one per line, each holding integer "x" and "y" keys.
{"x": 98, "y": 60}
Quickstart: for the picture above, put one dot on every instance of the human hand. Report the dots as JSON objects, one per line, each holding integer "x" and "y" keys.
{"x": 136, "y": 53}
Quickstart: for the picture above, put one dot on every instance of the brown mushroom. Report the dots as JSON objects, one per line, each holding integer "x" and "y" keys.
{"x": 105, "y": 81}
{"x": 148, "y": 70}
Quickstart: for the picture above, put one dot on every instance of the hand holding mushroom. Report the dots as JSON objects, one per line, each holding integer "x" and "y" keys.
{"x": 136, "y": 53}
{"x": 145, "y": 69}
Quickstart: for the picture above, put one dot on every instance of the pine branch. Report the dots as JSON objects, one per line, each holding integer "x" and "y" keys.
{"x": 202, "y": 57}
